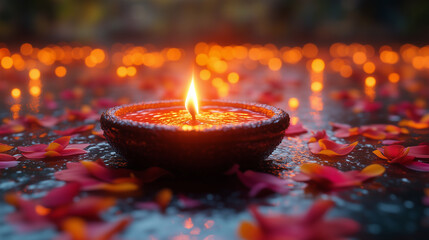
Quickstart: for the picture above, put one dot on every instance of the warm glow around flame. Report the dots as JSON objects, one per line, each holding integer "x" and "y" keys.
{"x": 191, "y": 103}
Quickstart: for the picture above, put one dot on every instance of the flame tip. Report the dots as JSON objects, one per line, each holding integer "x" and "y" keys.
{"x": 191, "y": 102}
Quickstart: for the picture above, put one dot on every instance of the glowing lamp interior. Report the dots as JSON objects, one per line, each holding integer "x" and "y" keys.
{"x": 191, "y": 102}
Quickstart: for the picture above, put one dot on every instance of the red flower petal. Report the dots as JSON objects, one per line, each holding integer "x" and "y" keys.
{"x": 295, "y": 129}
{"x": 6, "y": 161}
{"x": 317, "y": 211}
{"x": 36, "y": 155}
{"x": 11, "y": 127}
{"x": 417, "y": 166}
{"x": 310, "y": 225}
{"x": 186, "y": 202}
{"x": 76, "y": 172}
{"x": 318, "y": 135}
{"x": 331, "y": 178}
{"x": 71, "y": 151}
{"x": 76, "y": 130}
{"x": 99, "y": 170}
{"x": 77, "y": 228}
{"x": 61, "y": 196}
{"x": 96, "y": 176}
{"x": 391, "y": 142}
{"x": 33, "y": 148}
{"x": 80, "y": 146}
{"x": 421, "y": 151}
{"x": 330, "y": 148}
{"x": 28, "y": 215}
{"x": 336, "y": 125}
{"x": 57, "y": 148}
{"x": 6, "y": 157}
{"x": 394, "y": 154}
{"x": 258, "y": 181}
{"x": 46, "y": 121}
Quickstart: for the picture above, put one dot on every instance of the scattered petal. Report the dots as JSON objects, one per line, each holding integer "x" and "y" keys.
{"x": 80, "y": 115}
{"x": 421, "y": 123}
{"x": 330, "y": 148}
{"x": 310, "y": 225}
{"x": 186, "y": 202}
{"x": 32, "y": 121}
{"x": 394, "y": 154}
{"x": 7, "y": 161}
{"x": 77, "y": 228}
{"x": 421, "y": 151}
{"x": 76, "y": 130}
{"x": 5, "y": 148}
{"x": 295, "y": 129}
{"x": 318, "y": 135}
{"x": 58, "y": 148}
{"x": 391, "y": 142}
{"x": 258, "y": 181}
{"x": 96, "y": 176}
{"x": 61, "y": 196}
{"x": 372, "y": 131}
{"x": 11, "y": 127}
{"x": 331, "y": 178}
{"x": 402, "y": 155}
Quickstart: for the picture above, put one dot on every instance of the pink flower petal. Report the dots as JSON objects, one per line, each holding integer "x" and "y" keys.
{"x": 186, "y": 202}
{"x": 11, "y": 127}
{"x": 6, "y": 157}
{"x": 8, "y": 164}
{"x": 61, "y": 196}
{"x": 318, "y": 135}
{"x": 76, "y": 130}
{"x": 92, "y": 230}
{"x": 310, "y": 225}
{"x": 71, "y": 151}
{"x": 35, "y": 155}
{"x": 100, "y": 171}
{"x": 57, "y": 148}
{"x": 391, "y": 142}
{"x": 26, "y": 218}
{"x": 336, "y": 125}
{"x": 417, "y": 166}
{"x": 87, "y": 207}
{"x": 80, "y": 146}
{"x": 63, "y": 141}
{"x": 317, "y": 211}
{"x": 332, "y": 178}
{"x": 76, "y": 172}
{"x": 258, "y": 181}
{"x": 33, "y": 148}
{"x": 295, "y": 130}
{"x": 96, "y": 176}
{"x": 47, "y": 121}
{"x": 421, "y": 151}
{"x": 330, "y": 148}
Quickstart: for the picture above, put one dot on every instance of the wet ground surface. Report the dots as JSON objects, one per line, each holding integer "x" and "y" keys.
{"x": 388, "y": 207}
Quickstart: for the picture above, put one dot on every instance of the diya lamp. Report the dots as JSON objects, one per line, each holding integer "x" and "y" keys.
{"x": 194, "y": 137}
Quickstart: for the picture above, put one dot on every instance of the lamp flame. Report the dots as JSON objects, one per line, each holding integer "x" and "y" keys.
{"x": 191, "y": 102}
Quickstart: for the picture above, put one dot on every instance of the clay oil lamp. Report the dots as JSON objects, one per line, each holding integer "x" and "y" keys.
{"x": 194, "y": 137}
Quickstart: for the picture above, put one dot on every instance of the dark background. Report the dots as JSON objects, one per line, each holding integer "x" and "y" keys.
{"x": 179, "y": 22}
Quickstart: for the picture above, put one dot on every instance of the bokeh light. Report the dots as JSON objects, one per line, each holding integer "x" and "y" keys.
{"x": 15, "y": 93}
